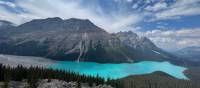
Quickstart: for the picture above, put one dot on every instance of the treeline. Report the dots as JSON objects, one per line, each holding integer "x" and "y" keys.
{"x": 154, "y": 80}
{"x": 193, "y": 73}
{"x": 33, "y": 74}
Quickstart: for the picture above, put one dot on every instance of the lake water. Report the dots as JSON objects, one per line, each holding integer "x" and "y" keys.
{"x": 115, "y": 71}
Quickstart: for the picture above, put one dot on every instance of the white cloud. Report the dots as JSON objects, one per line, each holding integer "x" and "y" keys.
{"x": 176, "y": 12}
{"x": 39, "y": 9}
{"x": 124, "y": 23}
{"x": 157, "y": 7}
{"x": 174, "y": 39}
{"x": 6, "y": 15}
{"x": 179, "y": 8}
{"x": 190, "y": 42}
{"x": 8, "y": 4}
{"x": 135, "y": 6}
{"x": 129, "y": 0}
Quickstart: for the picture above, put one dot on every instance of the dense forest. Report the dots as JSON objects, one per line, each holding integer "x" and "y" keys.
{"x": 154, "y": 80}
{"x": 193, "y": 73}
{"x": 33, "y": 74}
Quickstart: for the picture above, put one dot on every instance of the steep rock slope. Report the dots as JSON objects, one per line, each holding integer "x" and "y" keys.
{"x": 143, "y": 48}
{"x": 77, "y": 40}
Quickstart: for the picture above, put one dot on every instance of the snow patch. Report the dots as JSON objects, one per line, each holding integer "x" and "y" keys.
{"x": 156, "y": 52}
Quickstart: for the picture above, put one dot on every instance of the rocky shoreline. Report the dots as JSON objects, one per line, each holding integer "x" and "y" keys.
{"x": 52, "y": 83}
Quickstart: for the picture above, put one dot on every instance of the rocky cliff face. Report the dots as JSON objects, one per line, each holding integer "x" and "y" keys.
{"x": 133, "y": 40}
{"x": 77, "y": 40}
{"x": 141, "y": 47}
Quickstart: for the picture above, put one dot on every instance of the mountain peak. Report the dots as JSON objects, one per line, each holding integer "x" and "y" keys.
{"x": 49, "y": 20}
{"x": 80, "y": 21}
{"x": 5, "y": 24}
{"x": 82, "y": 25}
{"x": 76, "y": 19}
{"x": 56, "y": 23}
{"x": 127, "y": 33}
{"x": 55, "y": 19}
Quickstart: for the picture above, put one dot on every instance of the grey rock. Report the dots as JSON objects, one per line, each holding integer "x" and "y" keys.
{"x": 77, "y": 40}
{"x": 54, "y": 83}
{"x": 51, "y": 83}
{"x": 25, "y": 61}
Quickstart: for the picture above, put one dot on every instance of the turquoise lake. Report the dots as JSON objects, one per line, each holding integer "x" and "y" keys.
{"x": 115, "y": 71}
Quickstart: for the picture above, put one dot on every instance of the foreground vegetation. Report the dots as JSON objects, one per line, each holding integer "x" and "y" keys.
{"x": 193, "y": 73}
{"x": 33, "y": 74}
{"x": 154, "y": 80}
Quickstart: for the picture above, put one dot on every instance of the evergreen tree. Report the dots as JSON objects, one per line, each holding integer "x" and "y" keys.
{"x": 7, "y": 78}
{"x": 33, "y": 74}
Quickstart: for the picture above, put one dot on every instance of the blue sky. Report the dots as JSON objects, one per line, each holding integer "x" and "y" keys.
{"x": 170, "y": 24}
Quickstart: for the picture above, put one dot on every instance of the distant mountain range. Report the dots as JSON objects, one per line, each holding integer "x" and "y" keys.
{"x": 77, "y": 40}
{"x": 189, "y": 53}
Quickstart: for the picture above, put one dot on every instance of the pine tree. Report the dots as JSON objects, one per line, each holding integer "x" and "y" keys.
{"x": 7, "y": 78}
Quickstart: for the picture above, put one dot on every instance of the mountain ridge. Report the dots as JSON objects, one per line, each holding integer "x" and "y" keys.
{"x": 189, "y": 53}
{"x": 79, "y": 40}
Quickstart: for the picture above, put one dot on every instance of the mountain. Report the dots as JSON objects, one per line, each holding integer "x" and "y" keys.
{"x": 142, "y": 48}
{"x": 190, "y": 53}
{"x": 5, "y": 24}
{"x": 77, "y": 40}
